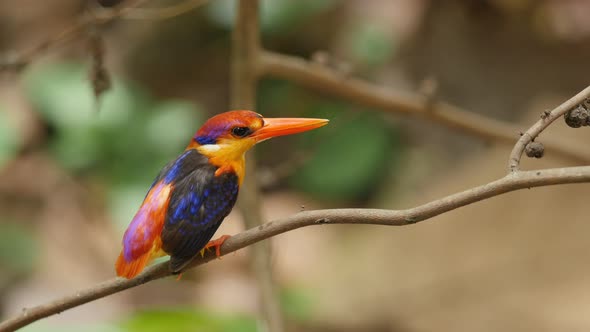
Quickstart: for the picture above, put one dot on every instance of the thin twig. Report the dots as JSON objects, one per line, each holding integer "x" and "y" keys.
{"x": 163, "y": 13}
{"x": 325, "y": 79}
{"x": 127, "y": 9}
{"x": 547, "y": 118}
{"x": 511, "y": 182}
{"x": 19, "y": 61}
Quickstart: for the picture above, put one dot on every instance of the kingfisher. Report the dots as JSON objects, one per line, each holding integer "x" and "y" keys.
{"x": 192, "y": 194}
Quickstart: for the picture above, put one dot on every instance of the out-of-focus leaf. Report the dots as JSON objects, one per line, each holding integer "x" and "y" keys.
{"x": 124, "y": 200}
{"x": 370, "y": 45}
{"x": 9, "y": 138}
{"x": 63, "y": 95}
{"x": 150, "y": 142}
{"x": 18, "y": 248}
{"x": 77, "y": 148}
{"x": 129, "y": 140}
{"x": 42, "y": 326}
{"x": 297, "y": 303}
{"x": 350, "y": 156}
{"x": 164, "y": 135}
{"x": 60, "y": 94}
{"x": 276, "y": 15}
{"x": 172, "y": 125}
{"x": 188, "y": 321}
{"x": 120, "y": 105}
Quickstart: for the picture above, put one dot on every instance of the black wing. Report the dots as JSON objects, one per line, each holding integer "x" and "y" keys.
{"x": 198, "y": 204}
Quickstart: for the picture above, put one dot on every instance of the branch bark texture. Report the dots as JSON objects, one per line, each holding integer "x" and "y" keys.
{"x": 546, "y": 119}
{"x": 324, "y": 79}
{"x": 511, "y": 182}
{"x": 244, "y": 81}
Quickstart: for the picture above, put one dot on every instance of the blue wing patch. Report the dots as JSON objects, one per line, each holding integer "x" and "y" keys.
{"x": 198, "y": 205}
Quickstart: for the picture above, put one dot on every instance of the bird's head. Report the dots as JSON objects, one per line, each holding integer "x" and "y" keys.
{"x": 226, "y": 137}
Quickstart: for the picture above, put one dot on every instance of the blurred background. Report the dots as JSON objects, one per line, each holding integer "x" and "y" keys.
{"x": 74, "y": 168}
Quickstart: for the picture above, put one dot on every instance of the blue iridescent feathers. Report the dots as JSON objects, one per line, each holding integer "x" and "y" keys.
{"x": 199, "y": 202}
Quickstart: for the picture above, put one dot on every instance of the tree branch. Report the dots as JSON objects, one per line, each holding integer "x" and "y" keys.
{"x": 244, "y": 81}
{"x": 163, "y": 13}
{"x": 325, "y": 79}
{"x": 546, "y": 119}
{"x": 19, "y": 61}
{"x": 511, "y": 182}
{"x": 127, "y": 9}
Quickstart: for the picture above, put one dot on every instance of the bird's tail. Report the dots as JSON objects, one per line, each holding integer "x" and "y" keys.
{"x": 130, "y": 269}
{"x": 133, "y": 268}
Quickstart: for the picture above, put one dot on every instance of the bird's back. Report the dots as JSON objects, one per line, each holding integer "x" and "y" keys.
{"x": 182, "y": 210}
{"x": 197, "y": 207}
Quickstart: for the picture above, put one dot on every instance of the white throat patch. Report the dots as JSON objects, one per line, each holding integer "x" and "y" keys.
{"x": 209, "y": 148}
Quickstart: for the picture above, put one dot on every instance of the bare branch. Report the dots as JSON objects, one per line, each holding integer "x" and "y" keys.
{"x": 21, "y": 60}
{"x": 325, "y": 79}
{"x": 127, "y": 9}
{"x": 544, "y": 122}
{"x": 511, "y": 182}
{"x": 163, "y": 13}
{"x": 244, "y": 81}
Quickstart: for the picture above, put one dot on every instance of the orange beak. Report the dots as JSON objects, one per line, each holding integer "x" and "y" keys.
{"x": 274, "y": 127}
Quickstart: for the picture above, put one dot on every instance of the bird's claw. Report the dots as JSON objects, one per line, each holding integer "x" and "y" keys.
{"x": 215, "y": 244}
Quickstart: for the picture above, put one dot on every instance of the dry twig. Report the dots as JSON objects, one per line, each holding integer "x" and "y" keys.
{"x": 126, "y": 9}
{"x": 547, "y": 118}
{"x": 164, "y": 13}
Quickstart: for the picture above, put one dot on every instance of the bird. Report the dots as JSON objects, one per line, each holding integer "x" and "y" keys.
{"x": 192, "y": 194}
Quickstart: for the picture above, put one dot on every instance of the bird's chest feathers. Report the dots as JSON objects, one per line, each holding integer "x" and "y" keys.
{"x": 228, "y": 157}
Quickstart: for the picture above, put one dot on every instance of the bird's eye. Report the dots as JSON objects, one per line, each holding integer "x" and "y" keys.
{"x": 241, "y": 131}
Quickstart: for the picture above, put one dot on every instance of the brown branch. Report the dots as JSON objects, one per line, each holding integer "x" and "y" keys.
{"x": 325, "y": 79}
{"x": 544, "y": 122}
{"x": 163, "y": 13}
{"x": 512, "y": 182}
{"x": 19, "y": 61}
{"x": 127, "y": 9}
{"x": 244, "y": 80}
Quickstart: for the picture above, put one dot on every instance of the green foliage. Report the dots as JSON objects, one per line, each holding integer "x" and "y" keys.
{"x": 130, "y": 129}
{"x": 43, "y": 326}
{"x": 370, "y": 45}
{"x": 180, "y": 320}
{"x": 124, "y": 199}
{"x": 189, "y": 321}
{"x": 297, "y": 303}
{"x": 276, "y": 16}
{"x": 174, "y": 118}
{"x": 125, "y": 141}
{"x": 9, "y": 139}
{"x": 350, "y": 155}
{"x": 18, "y": 249}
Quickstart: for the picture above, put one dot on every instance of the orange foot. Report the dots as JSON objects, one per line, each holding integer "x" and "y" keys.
{"x": 215, "y": 244}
